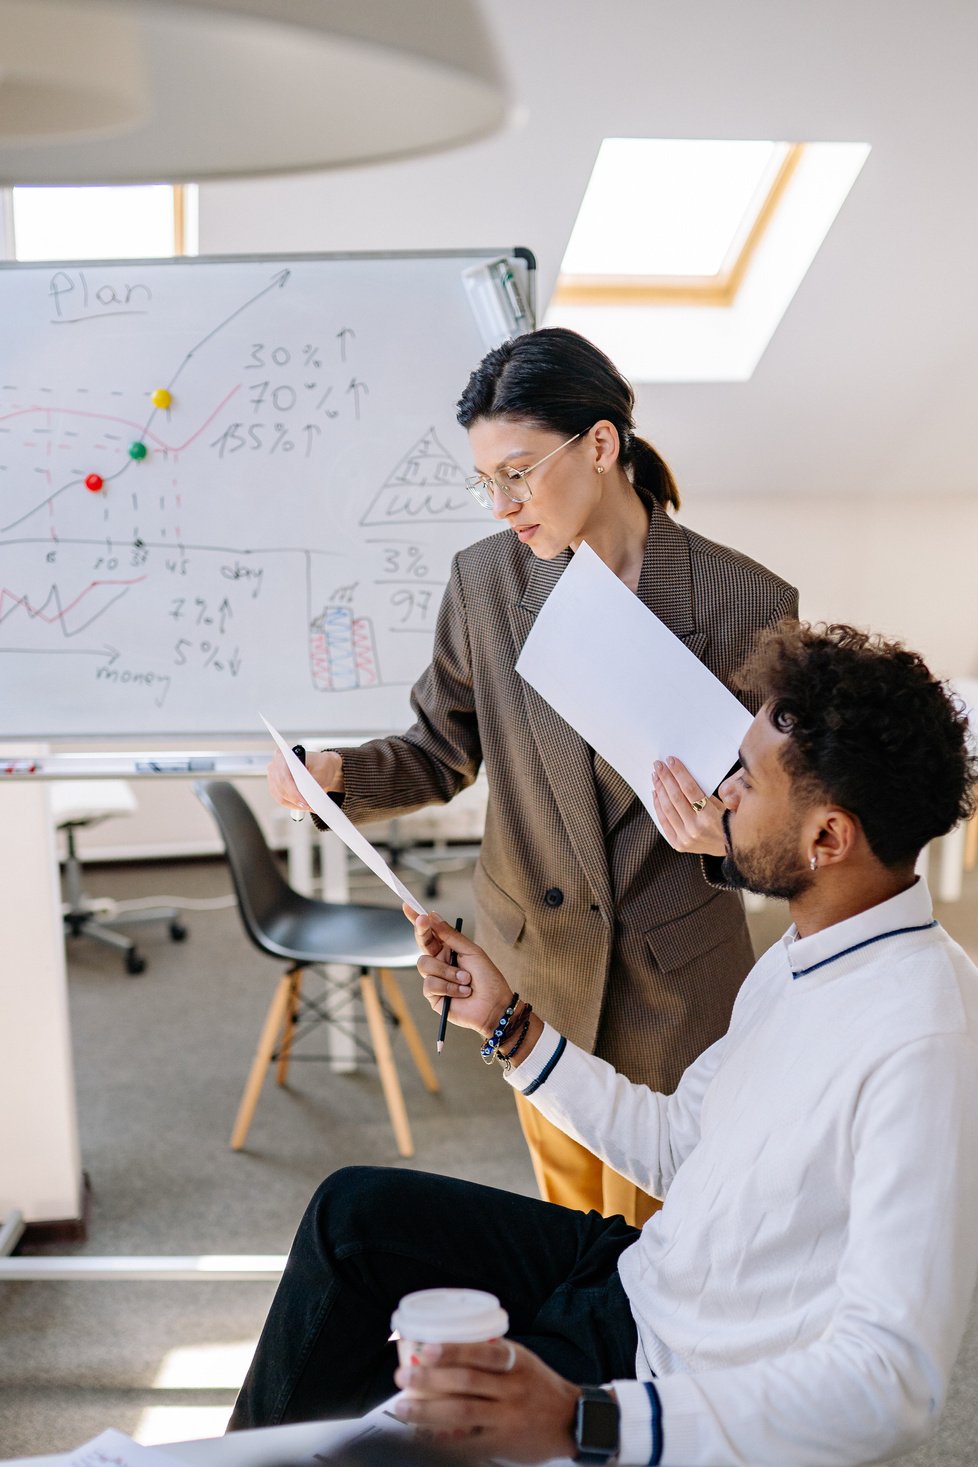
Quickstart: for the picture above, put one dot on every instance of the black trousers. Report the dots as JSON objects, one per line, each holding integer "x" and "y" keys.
{"x": 371, "y": 1235}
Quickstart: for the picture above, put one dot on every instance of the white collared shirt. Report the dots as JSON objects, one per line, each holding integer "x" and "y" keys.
{"x": 802, "y": 1295}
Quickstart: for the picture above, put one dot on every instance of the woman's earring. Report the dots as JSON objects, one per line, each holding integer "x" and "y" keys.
{"x": 814, "y": 863}
{"x": 600, "y": 468}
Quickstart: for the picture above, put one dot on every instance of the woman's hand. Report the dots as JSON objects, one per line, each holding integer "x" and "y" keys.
{"x": 326, "y": 769}
{"x": 675, "y": 794}
{"x": 478, "y": 990}
{"x": 491, "y": 1399}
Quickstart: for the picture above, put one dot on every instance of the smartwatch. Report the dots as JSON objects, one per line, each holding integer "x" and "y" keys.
{"x": 596, "y": 1425}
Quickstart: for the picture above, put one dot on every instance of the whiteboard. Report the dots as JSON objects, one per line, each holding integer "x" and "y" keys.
{"x": 284, "y": 544}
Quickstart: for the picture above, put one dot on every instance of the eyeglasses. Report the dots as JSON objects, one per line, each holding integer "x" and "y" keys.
{"x": 511, "y": 482}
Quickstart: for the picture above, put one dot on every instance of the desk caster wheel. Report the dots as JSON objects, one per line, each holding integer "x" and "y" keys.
{"x": 178, "y": 933}
{"x": 135, "y": 962}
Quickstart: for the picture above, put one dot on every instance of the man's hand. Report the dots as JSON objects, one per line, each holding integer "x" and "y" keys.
{"x": 491, "y": 1400}
{"x": 326, "y": 769}
{"x": 675, "y": 793}
{"x": 478, "y": 990}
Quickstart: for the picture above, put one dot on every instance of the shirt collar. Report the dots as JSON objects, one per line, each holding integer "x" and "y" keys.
{"x": 911, "y": 908}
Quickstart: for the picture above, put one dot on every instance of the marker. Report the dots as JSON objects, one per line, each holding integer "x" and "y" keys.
{"x": 447, "y": 1001}
{"x": 175, "y": 766}
{"x": 297, "y": 815}
{"x": 511, "y": 289}
{"x": 95, "y": 482}
{"x": 161, "y": 398}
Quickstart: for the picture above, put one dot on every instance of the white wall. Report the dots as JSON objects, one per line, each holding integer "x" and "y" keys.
{"x": 903, "y": 567}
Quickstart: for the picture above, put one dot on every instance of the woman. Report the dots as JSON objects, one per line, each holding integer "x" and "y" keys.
{"x": 615, "y": 935}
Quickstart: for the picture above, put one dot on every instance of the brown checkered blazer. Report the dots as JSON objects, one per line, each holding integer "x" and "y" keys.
{"x": 616, "y": 938}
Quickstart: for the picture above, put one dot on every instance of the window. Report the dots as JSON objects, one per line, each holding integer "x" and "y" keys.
{"x": 686, "y": 254}
{"x": 141, "y": 222}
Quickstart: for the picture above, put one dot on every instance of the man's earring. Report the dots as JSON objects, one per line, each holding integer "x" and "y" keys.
{"x": 814, "y": 863}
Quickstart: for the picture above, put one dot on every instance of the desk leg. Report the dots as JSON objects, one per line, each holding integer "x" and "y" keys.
{"x": 40, "y": 1175}
{"x": 334, "y": 873}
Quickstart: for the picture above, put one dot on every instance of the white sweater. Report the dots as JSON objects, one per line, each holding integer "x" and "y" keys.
{"x": 801, "y": 1297}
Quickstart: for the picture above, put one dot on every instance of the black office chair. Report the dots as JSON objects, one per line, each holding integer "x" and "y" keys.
{"x": 310, "y": 934}
{"x": 76, "y": 804}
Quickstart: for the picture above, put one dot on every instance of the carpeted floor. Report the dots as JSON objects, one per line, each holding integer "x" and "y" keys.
{"x": 160, "y": 1062}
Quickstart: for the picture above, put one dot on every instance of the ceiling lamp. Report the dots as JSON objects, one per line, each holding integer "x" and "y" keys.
{"x": 128, "y": 91}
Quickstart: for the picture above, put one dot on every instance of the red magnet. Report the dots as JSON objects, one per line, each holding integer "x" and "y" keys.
{"x": 95, "y": 482}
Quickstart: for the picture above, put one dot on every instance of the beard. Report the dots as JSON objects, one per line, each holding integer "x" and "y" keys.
{"x": 773, "y": 868}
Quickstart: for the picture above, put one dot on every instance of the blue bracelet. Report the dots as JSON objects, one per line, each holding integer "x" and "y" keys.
{"x": 492, "y": 1043}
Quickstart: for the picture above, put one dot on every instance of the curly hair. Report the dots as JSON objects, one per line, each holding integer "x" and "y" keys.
{"x": 869, "y": 728}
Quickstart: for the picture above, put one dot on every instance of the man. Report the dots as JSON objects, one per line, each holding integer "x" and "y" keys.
{"x": 802, "y": 1294}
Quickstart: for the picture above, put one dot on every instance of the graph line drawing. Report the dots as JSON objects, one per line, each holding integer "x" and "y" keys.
{"x": 63, "y": 614}
{"x": 278, "y": 282}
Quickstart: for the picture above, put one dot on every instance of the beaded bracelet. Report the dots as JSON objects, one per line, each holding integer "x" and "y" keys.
{"x": 506, "y": 1060}
{"x": 488, "y": 1050}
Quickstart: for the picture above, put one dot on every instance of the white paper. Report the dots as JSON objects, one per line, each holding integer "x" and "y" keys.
{"x": 341, "y": 825}
{"x": 626, "y": 683}
{"x": 114, "y": 1449}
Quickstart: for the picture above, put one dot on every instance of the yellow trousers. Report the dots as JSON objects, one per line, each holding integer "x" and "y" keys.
{"x": 569, "y": 1174}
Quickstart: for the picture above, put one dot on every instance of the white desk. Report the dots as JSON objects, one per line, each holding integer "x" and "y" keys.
{"x": 41, "y": 1179}
{"x": 274, "y": 1446}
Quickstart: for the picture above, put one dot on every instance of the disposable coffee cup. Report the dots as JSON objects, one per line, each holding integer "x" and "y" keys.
{"x": 446, "y": 1316}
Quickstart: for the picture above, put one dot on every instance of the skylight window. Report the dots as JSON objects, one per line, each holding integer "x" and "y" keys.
{"x": 685, "y": 255}
{"x": 681, "y": 209}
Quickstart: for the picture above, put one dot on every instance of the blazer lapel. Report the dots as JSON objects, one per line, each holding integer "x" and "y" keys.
{"x": 564, "y": 754}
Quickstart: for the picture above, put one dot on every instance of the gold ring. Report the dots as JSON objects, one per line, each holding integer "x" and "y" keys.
{"x": 699, "y": 805}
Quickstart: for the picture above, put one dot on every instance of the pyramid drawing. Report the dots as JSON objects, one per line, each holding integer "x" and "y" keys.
{"x": 427, "y": 485}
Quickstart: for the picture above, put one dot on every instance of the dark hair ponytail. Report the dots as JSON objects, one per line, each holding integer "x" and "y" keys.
{"x": 651, "y": 472}
{"x": 558, "y": 380}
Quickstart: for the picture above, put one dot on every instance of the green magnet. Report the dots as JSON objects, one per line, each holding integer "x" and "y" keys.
{"x": 137, "y": 451}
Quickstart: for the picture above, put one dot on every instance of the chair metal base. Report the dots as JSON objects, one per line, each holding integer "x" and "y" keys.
{"x": 84, "y": 917}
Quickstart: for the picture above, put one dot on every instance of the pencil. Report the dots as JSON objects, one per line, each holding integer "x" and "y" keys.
{"x": 317, "y": 820}
{"x": 447, "y": 1002}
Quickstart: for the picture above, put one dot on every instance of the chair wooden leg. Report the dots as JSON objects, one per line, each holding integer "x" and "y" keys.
{"x": 390, "y": 1083}
{"x": 288, "y": 1029}
{"x": 409, "y": 1028}
{"x": 971, "y": 844}
{"x": 271, "y": 1029}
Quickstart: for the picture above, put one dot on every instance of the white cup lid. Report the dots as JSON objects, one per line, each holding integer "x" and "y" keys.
{"x": 450, "y": 1315}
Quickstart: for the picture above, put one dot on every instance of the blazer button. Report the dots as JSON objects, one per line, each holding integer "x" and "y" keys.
{"x": 553, "y": 896}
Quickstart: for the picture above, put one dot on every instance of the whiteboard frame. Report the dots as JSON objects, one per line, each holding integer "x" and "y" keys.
{"x": 236, "y": 738}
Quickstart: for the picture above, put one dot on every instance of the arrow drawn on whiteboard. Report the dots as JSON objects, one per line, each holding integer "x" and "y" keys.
{"x": 276, "y": 283}
{"x": 341, "y": 336}
{"x": 356, "y": 388}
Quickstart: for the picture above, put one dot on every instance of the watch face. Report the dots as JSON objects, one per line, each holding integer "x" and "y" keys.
{"x": 597, "y": 1425}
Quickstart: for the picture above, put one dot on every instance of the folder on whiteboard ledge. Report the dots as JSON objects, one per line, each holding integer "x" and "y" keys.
{"x": 498, "y": 300}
